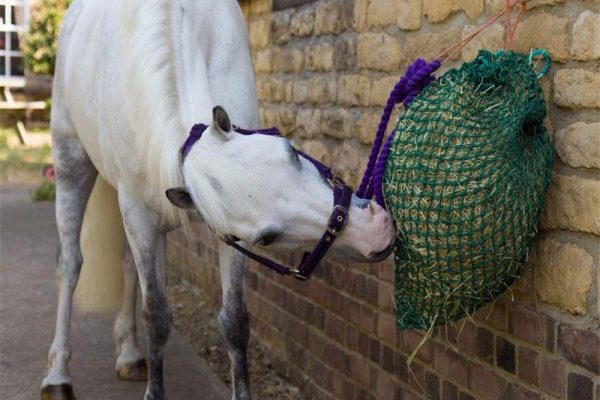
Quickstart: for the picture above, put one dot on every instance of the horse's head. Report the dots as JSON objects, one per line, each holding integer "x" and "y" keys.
{"x": 258, "y": 189}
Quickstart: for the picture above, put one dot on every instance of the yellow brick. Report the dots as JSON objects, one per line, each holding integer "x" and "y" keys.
{"x": 586, "y": 36}
{"x": 440, "y": 10}
{"x": 268, "y": 117}
{"x": 277, "y": 89}
{"x": 287, "y": 120}
{"x": 260, "y": 6}
{"x": 564, "y": 275}
{"x": 367, "y": 127}
{"x": 578, "y": 145}
{"x": 382, "y": 12}
{"x": 303, "y": 22}
{"x": 572, "y": 204}
{"x": 360, "y": 15}
{"x": 300, "y": 91}
{"x": 354, "y": 90}
{"x": 259, "y": 30}
{"x": 288, "y": 60}
{"x": 330, "y": 17}
{"x": 338, "y": 123}
{"x": 410, "y": 14}
{"x": 576, "y": 88}
{"x": 546, "y": 31}
{"x": 263, "y": 61}
{"x": 345, "y": 52}
{"x": 263, "y": 89}
{"x": 378, "y": 51}
{"x": 323, "y": 89}
{"x": 308, "y": 122}
{"x": 319, "y": 57}
{"x": 381, "y": 89}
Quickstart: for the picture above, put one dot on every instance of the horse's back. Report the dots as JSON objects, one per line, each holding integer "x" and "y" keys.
{"x": 88, "y": 78}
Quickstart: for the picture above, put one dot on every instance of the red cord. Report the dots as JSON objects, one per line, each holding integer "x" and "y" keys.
{"x": 453, "y": 50}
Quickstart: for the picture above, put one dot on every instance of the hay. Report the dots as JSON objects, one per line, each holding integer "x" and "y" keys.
{"x": 465, "y": 181}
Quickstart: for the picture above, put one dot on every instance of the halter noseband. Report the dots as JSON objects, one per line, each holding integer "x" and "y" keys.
{"x": 342, "y": 196}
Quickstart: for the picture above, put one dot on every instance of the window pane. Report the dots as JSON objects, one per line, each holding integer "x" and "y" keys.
{"x": 2, "y": 16}
{"x": 14, "y": 41}
{"x": 16, "y": 66}
{"x": 2, "y": 40}
{"x": 2, "y": 66}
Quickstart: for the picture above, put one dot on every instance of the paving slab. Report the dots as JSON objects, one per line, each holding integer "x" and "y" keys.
{"x": 28, "y": 244}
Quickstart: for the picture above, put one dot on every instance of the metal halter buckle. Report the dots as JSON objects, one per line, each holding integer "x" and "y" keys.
{"x": 332, "y": 230}
{"x": 337, "y": 182}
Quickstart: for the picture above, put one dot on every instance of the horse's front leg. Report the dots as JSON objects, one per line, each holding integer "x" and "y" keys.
{"x": 233, "y": 317}
{"x": 131, "y": 364}
{"x": 148, "y": 248}
{"x": 75, "y": 176}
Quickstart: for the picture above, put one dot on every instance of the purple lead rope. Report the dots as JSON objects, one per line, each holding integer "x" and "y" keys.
{"x": 418, "y": 75}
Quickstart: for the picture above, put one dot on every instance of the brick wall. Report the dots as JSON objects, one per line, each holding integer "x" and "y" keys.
{"x": 324, "y": 70}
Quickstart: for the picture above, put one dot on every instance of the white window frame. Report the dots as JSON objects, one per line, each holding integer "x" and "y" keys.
{"x": 7, "y": 27}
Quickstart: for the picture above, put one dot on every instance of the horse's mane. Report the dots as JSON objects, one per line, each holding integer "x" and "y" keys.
{"x": 153, "y": 101}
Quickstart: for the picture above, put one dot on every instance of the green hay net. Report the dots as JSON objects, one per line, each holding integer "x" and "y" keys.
{"x": 465, "y": 182}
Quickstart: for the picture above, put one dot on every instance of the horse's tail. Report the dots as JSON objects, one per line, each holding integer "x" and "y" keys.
{"x": 100, "y": 286}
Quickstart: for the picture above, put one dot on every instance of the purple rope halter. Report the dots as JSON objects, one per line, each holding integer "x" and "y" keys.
{"x": 418, "y": 75}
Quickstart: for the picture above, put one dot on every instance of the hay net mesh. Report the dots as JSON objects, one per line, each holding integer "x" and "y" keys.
{"x": 465, "y": 182}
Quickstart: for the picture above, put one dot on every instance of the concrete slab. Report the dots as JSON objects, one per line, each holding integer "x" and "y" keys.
{"x": 28, "y": 243}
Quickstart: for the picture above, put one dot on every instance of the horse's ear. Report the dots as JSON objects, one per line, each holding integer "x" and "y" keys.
{"x": 180, "y": 197}
{"x": 221, "y": 119}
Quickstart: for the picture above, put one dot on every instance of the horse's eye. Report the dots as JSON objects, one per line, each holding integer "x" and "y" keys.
{"x": 267, "y": 236}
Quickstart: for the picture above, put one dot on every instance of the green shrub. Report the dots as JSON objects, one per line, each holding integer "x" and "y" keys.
{"x": 45, "y": 192}
{"x": 40, "y": 44}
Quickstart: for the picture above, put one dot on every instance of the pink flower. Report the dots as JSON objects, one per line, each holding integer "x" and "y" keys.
{"x": 48, "y": 173}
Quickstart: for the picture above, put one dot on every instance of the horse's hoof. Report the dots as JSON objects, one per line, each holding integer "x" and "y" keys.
{"x": 135, "y": 371}
{"x": 58, "y": 392}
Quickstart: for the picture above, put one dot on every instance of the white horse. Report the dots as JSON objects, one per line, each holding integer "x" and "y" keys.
{"x": 132, "y": 78}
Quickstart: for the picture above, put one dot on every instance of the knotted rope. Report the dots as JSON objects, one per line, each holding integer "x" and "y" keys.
{"x": 418, "y": 75}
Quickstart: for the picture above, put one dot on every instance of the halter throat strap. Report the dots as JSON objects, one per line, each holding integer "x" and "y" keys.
{"x": 342, "y": 197}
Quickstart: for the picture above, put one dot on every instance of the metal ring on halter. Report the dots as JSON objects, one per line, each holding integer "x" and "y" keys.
{"x": 298, "y": 275}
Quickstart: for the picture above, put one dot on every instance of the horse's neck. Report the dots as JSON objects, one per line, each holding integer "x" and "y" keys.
{"x": 213, "y": 62}
{"x": 184, "y": 57}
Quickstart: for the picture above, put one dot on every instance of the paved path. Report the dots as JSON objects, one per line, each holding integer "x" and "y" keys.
{"x": 28, "y": 243}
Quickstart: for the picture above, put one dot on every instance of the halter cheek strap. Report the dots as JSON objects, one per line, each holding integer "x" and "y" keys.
{"x": 342, "y": 197}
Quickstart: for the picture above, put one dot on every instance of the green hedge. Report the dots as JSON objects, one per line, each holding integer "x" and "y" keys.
{"x": 40, "y": 44}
